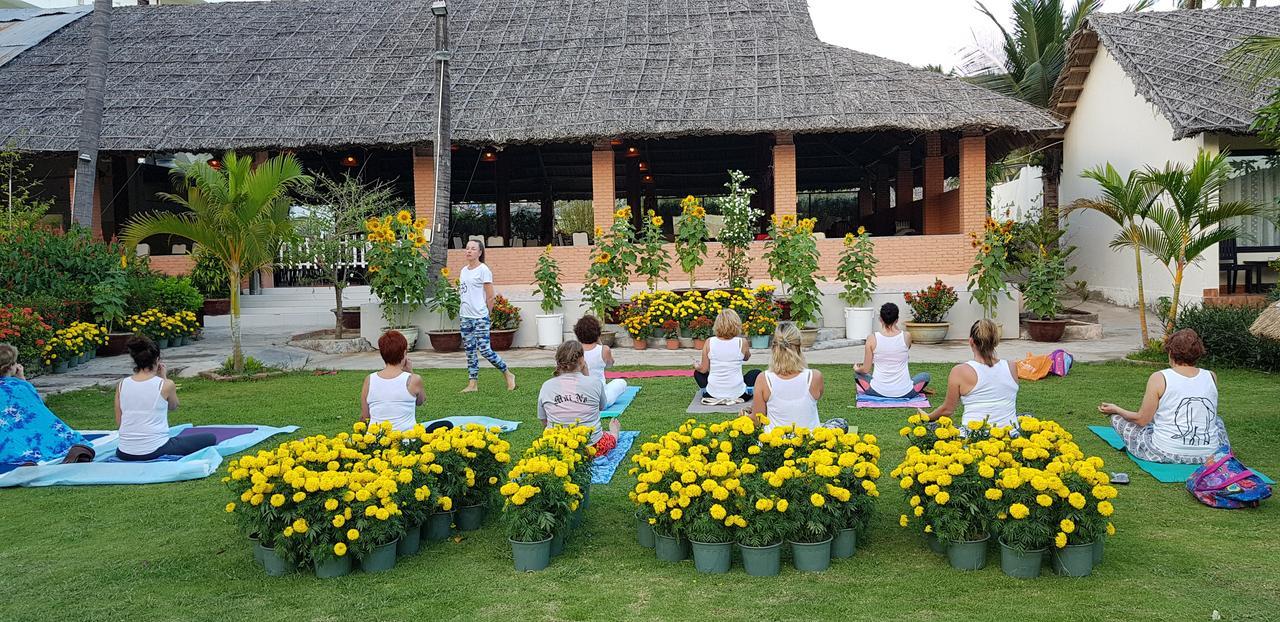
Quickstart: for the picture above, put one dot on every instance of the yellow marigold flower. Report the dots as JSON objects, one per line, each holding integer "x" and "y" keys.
{"x": 300, "y": 525}
{"x": 1067, "y": 525}
{"x": 1044, "y": 500}
{"x": 943, "y": 497}
{"x": 340, "y": 549}
{"x": 353, "y": 535}
{"x": 1018, "y": 511}
{"x": 231, "y": 507}
{"x": 339, "y": 520}
{"x": 1076, "y": 500}
{"x": 1060, "y": 540}
{"x": 676, "y": 513}
{"x": 717, "y": 511}
{"x": 1111, "y": 529}
{"x": 446, "y": 503}
{"x": 782, "y": 505}
{"x": 1105, "y": 508}
{"x": 331, "y": 504}
{"x": 299, "y": 496}
{"x": 994, "y": 494}
{"x": 903, "y": 520}
{"x": 277, "y": 500}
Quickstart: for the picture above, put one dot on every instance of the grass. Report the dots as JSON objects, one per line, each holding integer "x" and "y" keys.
{"x": 168, "y": 552}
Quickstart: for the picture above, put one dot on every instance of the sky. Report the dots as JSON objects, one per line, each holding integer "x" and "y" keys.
{"x": 918, "y": 32}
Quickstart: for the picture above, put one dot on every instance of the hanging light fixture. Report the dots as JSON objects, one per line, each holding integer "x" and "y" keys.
{"x": 644, "y": 167}
{"x": 633, "y": 151}
{"x": 648, "y": 179}
{"x": 215, "y": 163}
{"x": 488, "y": 154}
{"x": 350, "y": 161}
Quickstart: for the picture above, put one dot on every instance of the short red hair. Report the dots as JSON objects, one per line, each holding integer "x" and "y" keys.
{"x": 1184, "y": 347}
{"x": 392, "y": 346}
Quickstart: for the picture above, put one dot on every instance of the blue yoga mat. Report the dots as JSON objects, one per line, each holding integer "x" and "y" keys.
{"x": 1165, "y": 473}
{"x": 488, "y": 422}
{"x": 203, "y": 463}
{"x": 602, "y": 468}
{"x": 620, "y": 405}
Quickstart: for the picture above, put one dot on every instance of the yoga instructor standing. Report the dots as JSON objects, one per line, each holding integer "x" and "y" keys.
{"x": 475, "y": 288}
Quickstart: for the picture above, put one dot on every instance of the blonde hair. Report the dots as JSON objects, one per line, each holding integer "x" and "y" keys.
{"x": 569, "y": 357}
{"x": 785, "y": 355}
{"x": 8, "y": 359}
{"x": 728, "y": 325}
{"x": 985, "y": 336}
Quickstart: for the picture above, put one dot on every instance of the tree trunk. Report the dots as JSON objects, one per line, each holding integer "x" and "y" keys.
{"x": 237, "y": 356}
{"x": 438, "y": 251}
{"x": 91, "y": 115}
{"x": 1142, "y": 298}
{"x": 337, "y": 310}
{"x": 1177, "y": 292}
{"x": 1050, "y": 175}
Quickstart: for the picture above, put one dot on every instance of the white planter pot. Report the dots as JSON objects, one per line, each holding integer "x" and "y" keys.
{"x": 858, "y": 322}
{"x": 550, "y": 330}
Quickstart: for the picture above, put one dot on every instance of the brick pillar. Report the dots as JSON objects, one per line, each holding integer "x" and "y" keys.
{"x": 784, "y": 176}
{"x": 424, "y": 185}
{"x": 973, "y": 182}
{"x": 603, "y": 189}
{"x": 933, "y": 173}
{"x": 905, "y": 185}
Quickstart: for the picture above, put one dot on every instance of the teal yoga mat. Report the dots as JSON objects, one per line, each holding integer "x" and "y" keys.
{"x": 1165, "y": 473}
{"x": 621, "y": 404}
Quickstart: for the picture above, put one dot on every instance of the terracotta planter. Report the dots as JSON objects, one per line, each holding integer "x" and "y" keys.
{"x": 1046, "y": 330}
{"x": 500, "y": 340}
{"x": 808, "y": 337}
{"x": 698, "y": 343}
{"x": 116, "y": 344}
{"x": 673, "y": 344}
{"x": 640, "y": 344}
{"x": 217, "y": 306}
{"x": 928, "y": 332}
{"x": 445, "y": 340}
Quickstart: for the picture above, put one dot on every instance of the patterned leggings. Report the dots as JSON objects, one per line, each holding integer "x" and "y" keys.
{"x": 1137, "y": 439}
{"x": 475, "y": 337}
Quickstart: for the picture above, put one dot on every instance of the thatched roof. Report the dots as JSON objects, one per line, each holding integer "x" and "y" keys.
{"x": 330, "y": 73}
{"x": 1267, "y": 326}
{"x": 1176, "y": 61}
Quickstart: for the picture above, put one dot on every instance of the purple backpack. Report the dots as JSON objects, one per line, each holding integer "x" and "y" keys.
{"x": 1060, "y": 362}
{"x": 1225, "y": 482}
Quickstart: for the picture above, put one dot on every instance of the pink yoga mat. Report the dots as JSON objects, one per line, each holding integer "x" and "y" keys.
{"x": 649, "y": 373}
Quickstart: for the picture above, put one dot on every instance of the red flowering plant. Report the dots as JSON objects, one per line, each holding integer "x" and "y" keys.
{"x": 931, "y": 304}
{"x": 701, "y": 327}
{"x": 504, "y": 314}
{"x": 24, "y": 329}
{"x": 671, "y": 329}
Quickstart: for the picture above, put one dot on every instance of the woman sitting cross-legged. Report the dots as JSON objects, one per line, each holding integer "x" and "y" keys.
{"x": 1178, "y": 421}
{"x": 719, "y": 372}
{"x": 599, "y": 357}
{"x": 143, "y": 403}
{"x": 29, "y": 432}
{"x": 572, "y": 398}
{"x": 788, "y": 392}
{"x": 395, "y": 393}
{"x": 883, "y": 371}
{"x": 987, "y": 387}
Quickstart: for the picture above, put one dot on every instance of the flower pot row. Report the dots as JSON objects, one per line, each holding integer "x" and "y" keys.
{"x": 73, "y": 362}
{"x": 757, "y": 561}
{"x": 451, "y": 340}
{"x": 1073, "y": 560}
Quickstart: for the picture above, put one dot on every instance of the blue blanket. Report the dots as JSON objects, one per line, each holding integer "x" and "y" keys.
{"x": 488, "y": 422}
{"x": 602, "y": 468}
{"x": 620, "y": 405}
{"x": 1164, "y": 473}
{"x": 203, "y": 463}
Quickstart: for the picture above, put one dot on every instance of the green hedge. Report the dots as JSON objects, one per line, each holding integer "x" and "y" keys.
{"x": 1227, "y": 341}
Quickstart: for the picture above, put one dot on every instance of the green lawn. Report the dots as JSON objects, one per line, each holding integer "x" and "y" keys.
{"x": 168, "y": 552}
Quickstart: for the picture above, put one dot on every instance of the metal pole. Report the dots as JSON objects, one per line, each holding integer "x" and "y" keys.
{"x": 439, "y": 248}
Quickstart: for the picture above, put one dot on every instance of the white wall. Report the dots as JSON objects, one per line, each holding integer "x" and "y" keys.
{"x": 1020, "y": 197}
{"x": 1112, "y": 123}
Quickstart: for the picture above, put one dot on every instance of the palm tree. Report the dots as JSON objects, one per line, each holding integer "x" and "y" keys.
{"x": 1126, "y": 202}
{"x": 238, "y": 213}
{"x": 1179, "y": 234}
{"x": 95, "y": 86}
{"x": 1032, "y": 53}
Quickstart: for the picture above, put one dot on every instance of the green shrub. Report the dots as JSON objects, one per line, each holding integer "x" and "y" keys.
{"x": 1227, "y": 341}
{"x": 209, "y": 276}
{"x": 176, "y": 293}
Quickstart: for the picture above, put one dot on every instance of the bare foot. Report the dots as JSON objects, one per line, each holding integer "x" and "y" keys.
{"x": 511, "y": 380}
{"x": 615, "y": 427}
{"x": 472, "y": 387}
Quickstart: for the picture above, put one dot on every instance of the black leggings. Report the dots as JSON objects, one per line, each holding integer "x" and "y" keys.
{"x": 748, "y": 377}
{"x": 176, "y": 446}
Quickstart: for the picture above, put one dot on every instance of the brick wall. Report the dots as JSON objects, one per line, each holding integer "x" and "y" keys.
{"x": 602, "y": 185}
{"x": 933, "y": 180}
{"x": 172, "y": 265}
{"x": 904, "y": 255}
{"x": 973, "y": 183}
{"x": 424, "y": 186}
{"x": 784, "y": 177}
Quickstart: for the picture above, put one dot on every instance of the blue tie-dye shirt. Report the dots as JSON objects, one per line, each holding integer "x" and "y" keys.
{"x": 29, "y": 431}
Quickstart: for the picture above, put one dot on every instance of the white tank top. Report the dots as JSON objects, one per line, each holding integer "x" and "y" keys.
{"x": 1186, "y": 418}
{"x": 725, "y": 380}
{"x": 144, "y": 416}
{"x": 595, "y": 362}
{"x": 390, "y": 400}
{"x": 890, "y": 377}
{"x": 790, "y": 402}
{"x": 994, "y": 398}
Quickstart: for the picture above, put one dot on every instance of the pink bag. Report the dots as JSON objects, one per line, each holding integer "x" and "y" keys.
{"x": 1060, "y": 362}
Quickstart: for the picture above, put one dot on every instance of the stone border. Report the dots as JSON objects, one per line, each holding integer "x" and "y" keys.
{"x": 316, "y": 341}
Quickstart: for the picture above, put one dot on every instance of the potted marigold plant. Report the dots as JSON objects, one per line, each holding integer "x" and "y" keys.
{"x": 506, "y": 321}
{"x": 691, "y": 237}
{"x": 760, "y": 541}
{"x": 635, "y": 320}
{"x": 1083, "y": 520}
{"x": 397, "y": 269}
{"x": 852, "y": 491}
{"x": 812, "y": 520}
{"x": 792, "y": 253}
{"x": 539, "y": 499}
{"x": 488, "y": 467}
{"x": 447, "y": 302}
{"x": 929, "y": 307}
{"x": 1027, "y": 521}
{"x": 857, "y": 273}
{"x": 546, "y": 275}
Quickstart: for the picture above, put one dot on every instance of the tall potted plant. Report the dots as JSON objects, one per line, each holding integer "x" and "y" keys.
{"x": 736, "y": 235}
{"x": 990, "y": 265}
{"x": 446, "y": 301}
{"x": 398, "y": 269}
{"x": 652, "y": 260}
{"x": 210, "y": 277}
{"x": 857, "y": 272}
{"x": 108, "y": 296}
{"x": 929, "y": 308}
{"x": 1046, "y": 271}
{"x": 608, "y": 272}
{"x": 546, "y": 275}
{"x": 792, "y": 253}
{"x": 237, "y": 212}
{"x": 691, "y": 237}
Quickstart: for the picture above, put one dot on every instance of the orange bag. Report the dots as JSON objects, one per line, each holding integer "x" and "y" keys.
{"x": 1034, "y": 367}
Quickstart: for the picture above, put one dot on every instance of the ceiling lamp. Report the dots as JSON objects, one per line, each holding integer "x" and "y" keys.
{"x": 215, "y": 163}
{"x": 633, "y": 151}
{"x": 488, "y": 155}
{"x": 644, "y": 167}
{"x": 350, "y": 161}
{"x": 648, "y": 179}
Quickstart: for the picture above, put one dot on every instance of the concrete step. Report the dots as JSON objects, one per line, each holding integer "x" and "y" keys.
{"x": 294, "y": 321}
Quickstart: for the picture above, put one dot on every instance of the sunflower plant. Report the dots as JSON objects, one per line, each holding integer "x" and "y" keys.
{"x": 792, "y": 253}
{"x": 691, "y": 237}
{"x": 608, "y": 273}
{"x": 856, "y": 269}
{"x": 652, "y": 259}
{"x": 397, "y": 266}
{"x": 991, "y": 265}
{"x": 546, "y": 275}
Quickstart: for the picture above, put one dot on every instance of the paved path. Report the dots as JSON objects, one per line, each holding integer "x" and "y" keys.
{"x": 1120, "y": 327}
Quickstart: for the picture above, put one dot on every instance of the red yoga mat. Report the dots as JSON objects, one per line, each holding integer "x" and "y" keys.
{"x": 649, "y": 373}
